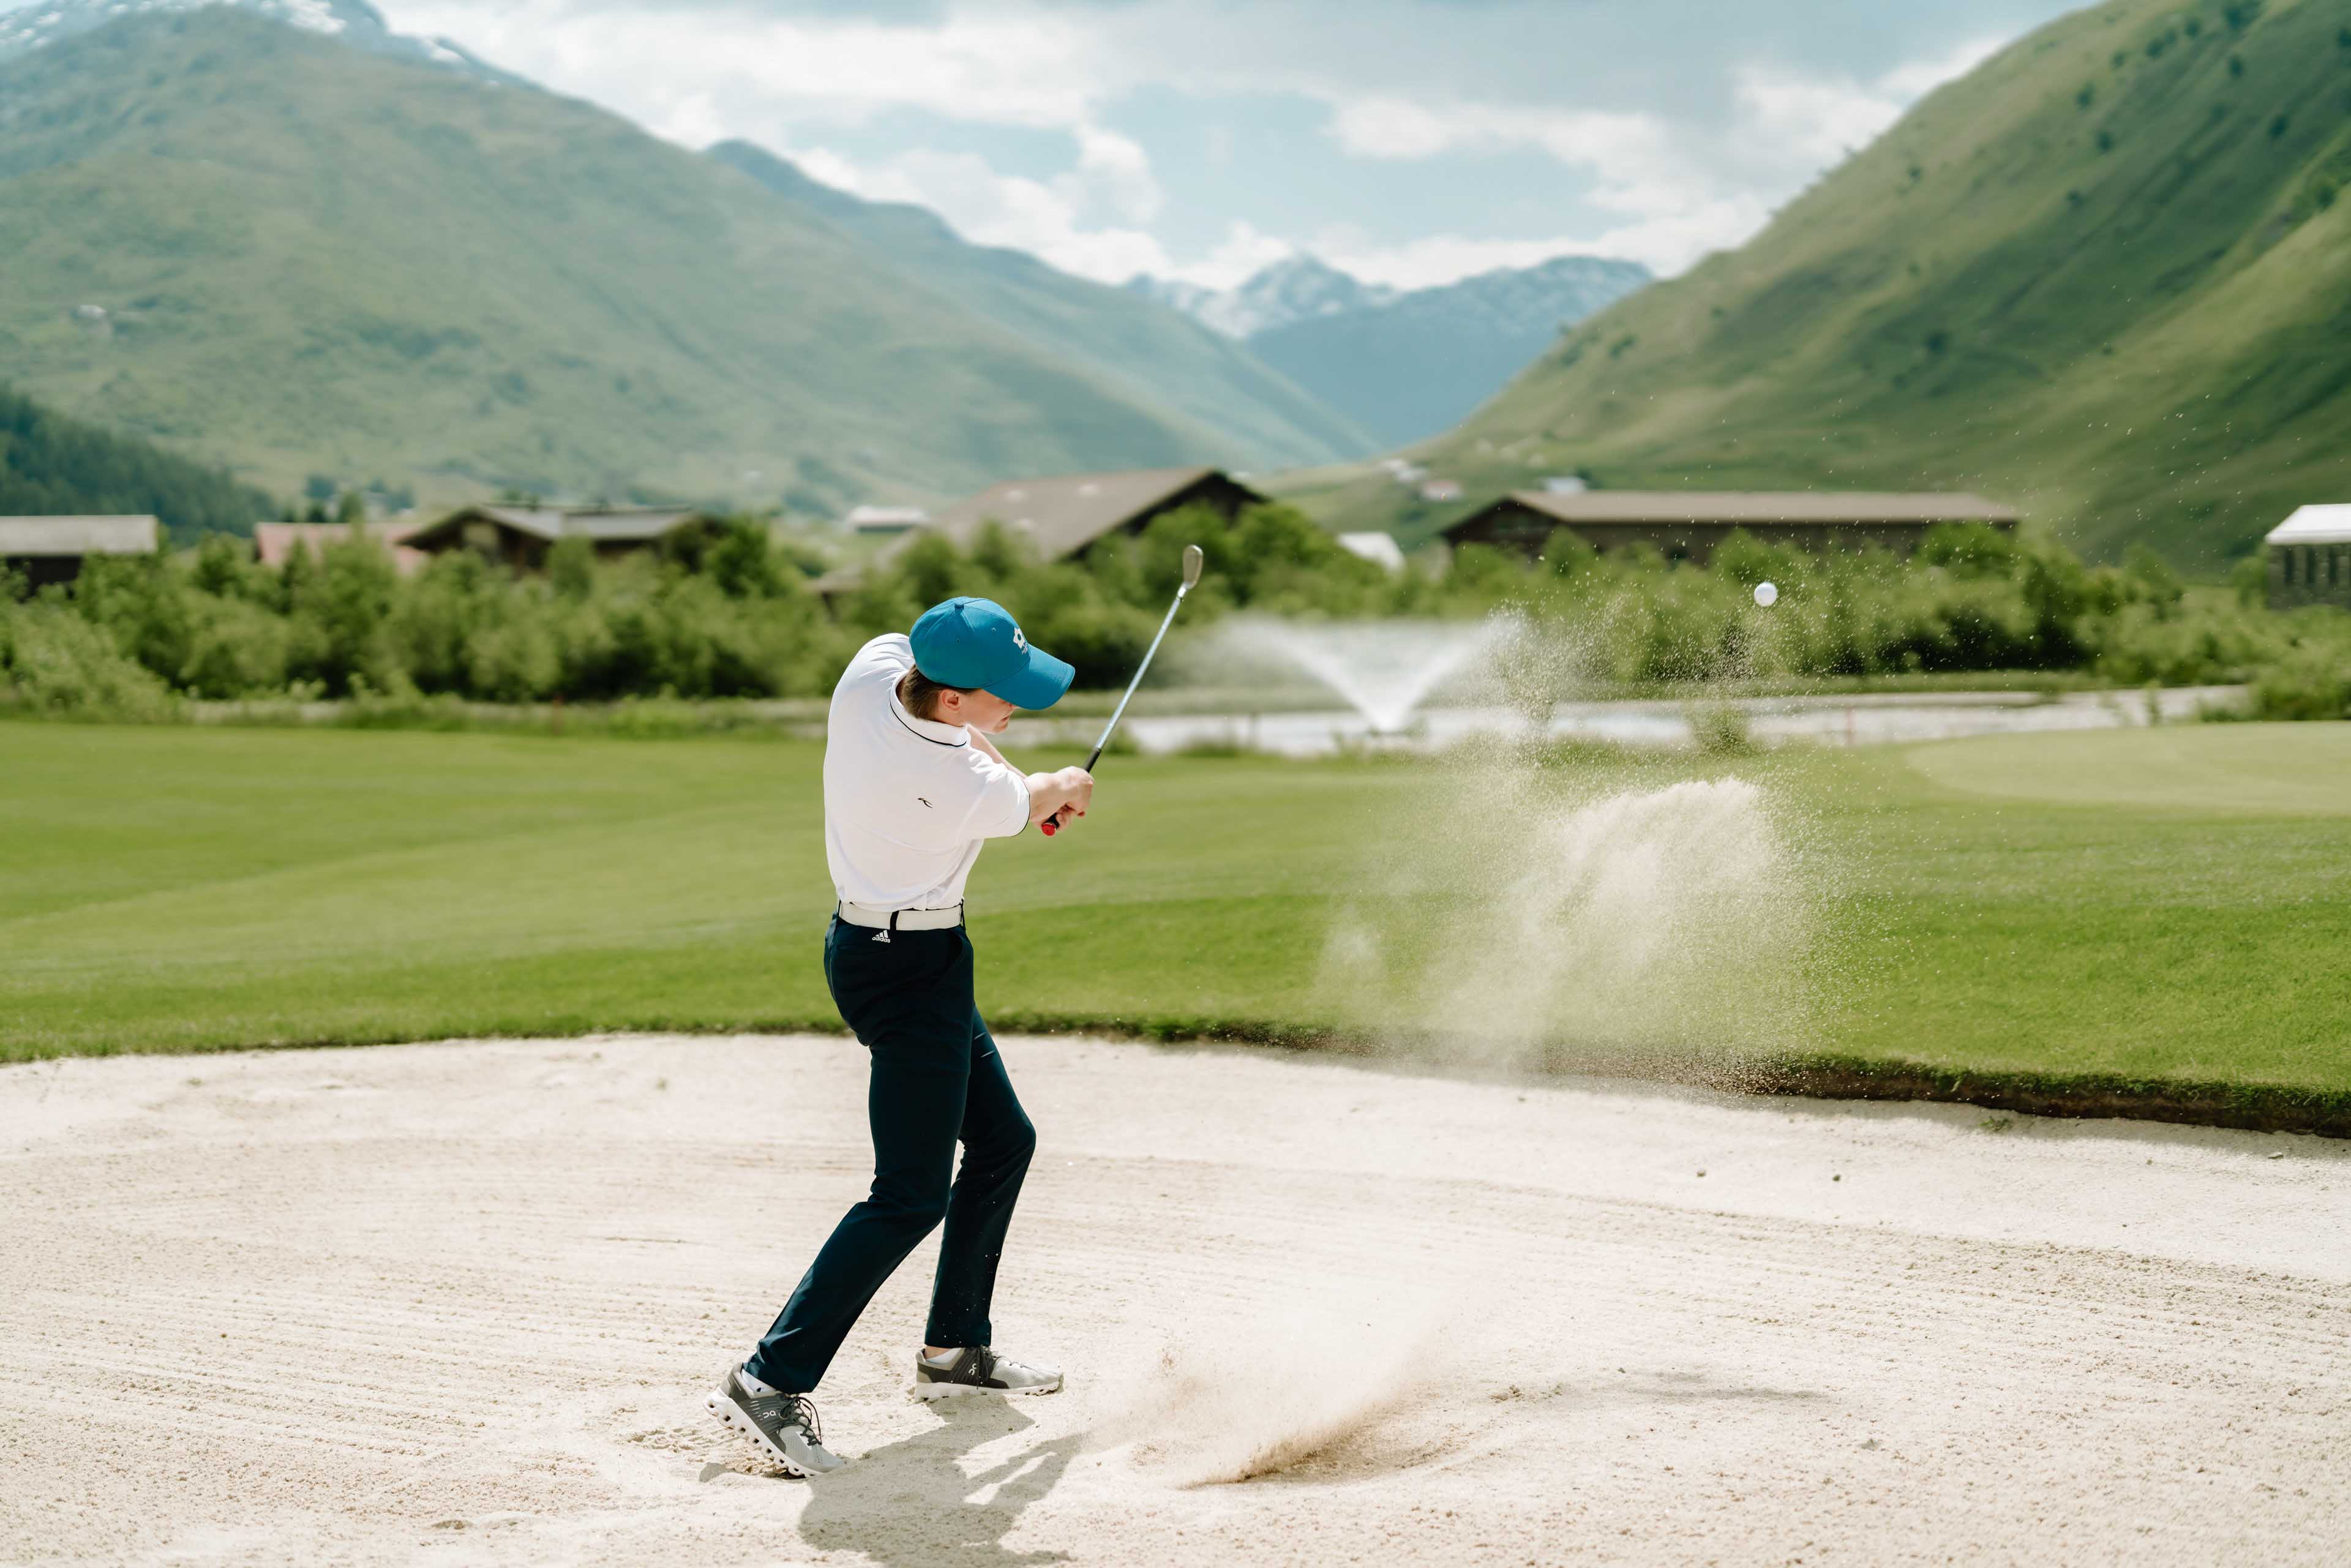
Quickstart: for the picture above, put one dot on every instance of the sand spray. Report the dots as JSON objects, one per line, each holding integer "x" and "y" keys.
{"x": 1541, "y": 906}
{"x": 1548, "y": 916}
{"x": 1271, "y": 1388}
{"x": 1555, "y": 917}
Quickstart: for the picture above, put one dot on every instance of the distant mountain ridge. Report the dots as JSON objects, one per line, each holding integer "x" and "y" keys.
{"x": 1162, "y": 353}
{"x": 260, "y": 244}
{"x": 1301, "y": 366}
{"x": 1405, "y": 365}
{"x": 352, "y": 23}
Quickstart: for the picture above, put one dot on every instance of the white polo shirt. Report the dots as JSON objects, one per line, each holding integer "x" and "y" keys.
{"x": 907, "y": 802}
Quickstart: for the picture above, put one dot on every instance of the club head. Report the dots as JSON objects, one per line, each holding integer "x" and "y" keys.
{"x": 1193, "y": 561}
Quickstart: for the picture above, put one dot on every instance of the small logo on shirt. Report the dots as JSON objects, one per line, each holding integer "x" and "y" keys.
{"x": 926, "y": 805}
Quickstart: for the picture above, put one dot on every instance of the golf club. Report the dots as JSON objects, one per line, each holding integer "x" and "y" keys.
{"x": 1193, "y": 561}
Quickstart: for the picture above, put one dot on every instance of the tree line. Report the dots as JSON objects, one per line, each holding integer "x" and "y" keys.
{"x": 735, "y": 616}
{"x": 51, "y": 465}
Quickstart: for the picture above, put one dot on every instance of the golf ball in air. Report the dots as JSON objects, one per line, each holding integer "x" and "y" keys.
{"x": 1767, "y": 594}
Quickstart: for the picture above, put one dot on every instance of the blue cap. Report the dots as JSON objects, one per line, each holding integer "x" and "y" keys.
{"x": 975, "y": 643}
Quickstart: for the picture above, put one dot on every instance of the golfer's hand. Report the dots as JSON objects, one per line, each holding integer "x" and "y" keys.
{"x": 1069, "y": 792}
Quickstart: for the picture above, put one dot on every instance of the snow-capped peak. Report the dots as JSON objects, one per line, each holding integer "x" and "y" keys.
{"x": 353, "y": 22}
{"x": 1295, "y": 289}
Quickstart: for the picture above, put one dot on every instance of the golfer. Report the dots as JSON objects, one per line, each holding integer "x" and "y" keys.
{"x": 912, "y": 788}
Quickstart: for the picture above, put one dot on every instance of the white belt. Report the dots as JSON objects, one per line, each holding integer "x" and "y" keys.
{"x": 902, "y": 919}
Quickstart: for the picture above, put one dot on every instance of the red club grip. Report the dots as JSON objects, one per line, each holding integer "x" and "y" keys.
{"x": 1050, "y": 825}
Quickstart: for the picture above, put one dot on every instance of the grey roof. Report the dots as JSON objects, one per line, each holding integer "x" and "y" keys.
{"x": 635, "y": 523}
{"x": 2312, "y": 526}
{"x": 1063, "y": 515}
{"x": 552, "y": 523}
{"x": 77, "y": 535}
{"x": 1058, "y": 515}
{"x": 1734, "y": 506}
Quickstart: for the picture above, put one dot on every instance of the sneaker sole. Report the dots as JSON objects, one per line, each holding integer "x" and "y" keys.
{"x": 734, "y": 1420}
{"x": 931, "y": 1393}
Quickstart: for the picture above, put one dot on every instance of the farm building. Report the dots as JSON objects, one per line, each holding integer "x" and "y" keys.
{"x": 2310, "y": 558}
{"x": 1061, "y": 517}
{"x": 1688, "y": 525}
{"x": 44, "y": 550}
{"x": 274, "y": 542}
{"x": 520, "y": 536}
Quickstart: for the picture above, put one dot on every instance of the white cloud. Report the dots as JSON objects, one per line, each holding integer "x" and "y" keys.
{"x": 1816, "y": 120}
{"x": 1400, "y": 128}
{"x": 1683, "y": 192}
{"x": 1666, "y": 244}
{"x": 1113, "y": 171}
{"x": 1914, "y": 81}
{"x": 778, "y": 79}
{"x": 1241, "y": 255}
{"x": 1041, "y": 217}
{"x": 1689, "y": 168}
{"x": 1000, "y": 68}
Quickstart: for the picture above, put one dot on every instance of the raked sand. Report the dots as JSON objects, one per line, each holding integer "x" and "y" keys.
{"x": 461, "y": 1302}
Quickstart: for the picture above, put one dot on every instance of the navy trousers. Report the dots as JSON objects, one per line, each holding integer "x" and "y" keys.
{"x": 936, "y": 1080}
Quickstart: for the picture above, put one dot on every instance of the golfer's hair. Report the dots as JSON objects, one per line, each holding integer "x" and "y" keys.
{"x": 921, "y": 694}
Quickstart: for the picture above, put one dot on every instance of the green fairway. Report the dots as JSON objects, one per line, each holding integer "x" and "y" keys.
{"x": 2162, "y": 904}
{"x": 2295, "y": 771}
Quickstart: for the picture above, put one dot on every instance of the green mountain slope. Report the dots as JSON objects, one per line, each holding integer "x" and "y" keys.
{"x": 315, "y": 259}
{"x": 51, "y": 466}
{"x": 1117, "y": 334}
{"x": 2105, "y": 277}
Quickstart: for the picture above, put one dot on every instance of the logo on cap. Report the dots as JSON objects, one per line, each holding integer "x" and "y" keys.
{"x": 1018, "y": 640}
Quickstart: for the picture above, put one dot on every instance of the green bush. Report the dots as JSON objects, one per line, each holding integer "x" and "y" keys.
{"x": 2311, "y": 681}
{"x": 53, "y": 662}
{"x": 731, "y": 616}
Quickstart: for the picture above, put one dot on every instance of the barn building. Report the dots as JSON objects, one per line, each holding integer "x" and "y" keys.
{"x": 1688, "y": 525}
{"x": 2310, "y": 558}
{"x": 518, "y": 537}
{"x": 1065, "y": 516}
{"x": 1061, "y": 517}
{"x": 45, "y": 550}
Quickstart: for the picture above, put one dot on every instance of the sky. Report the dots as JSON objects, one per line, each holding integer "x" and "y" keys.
{"x": 1408, "y": 142}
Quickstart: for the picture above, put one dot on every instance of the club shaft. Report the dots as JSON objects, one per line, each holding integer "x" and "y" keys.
{"x": 1120, "y": 712}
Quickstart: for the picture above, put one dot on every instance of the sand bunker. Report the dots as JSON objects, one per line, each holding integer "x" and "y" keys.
{"x": 460, "y": 1303}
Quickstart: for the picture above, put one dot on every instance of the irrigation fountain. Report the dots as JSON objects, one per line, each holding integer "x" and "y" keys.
{"x": 1385, "y": 669}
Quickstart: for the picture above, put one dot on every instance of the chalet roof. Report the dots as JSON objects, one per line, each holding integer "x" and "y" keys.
{"x": 272, "y": 542}
{"x": 1063, "y": 515}
{"x": 2314, "y": 526}
{"x": 77, "y": 535}
{"x": 1740, "y": 506}
{"x": 552, "y": 523}
{"x": 635, "y": 523}
{"x": 1058, "y": 515}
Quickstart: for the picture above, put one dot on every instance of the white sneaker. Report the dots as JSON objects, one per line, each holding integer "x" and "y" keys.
{"x": 782, "y": 1425}
{"x": 979, "y": 1370}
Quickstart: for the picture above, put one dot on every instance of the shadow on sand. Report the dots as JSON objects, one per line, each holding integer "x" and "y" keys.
{"x": 912, "y": 1502}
